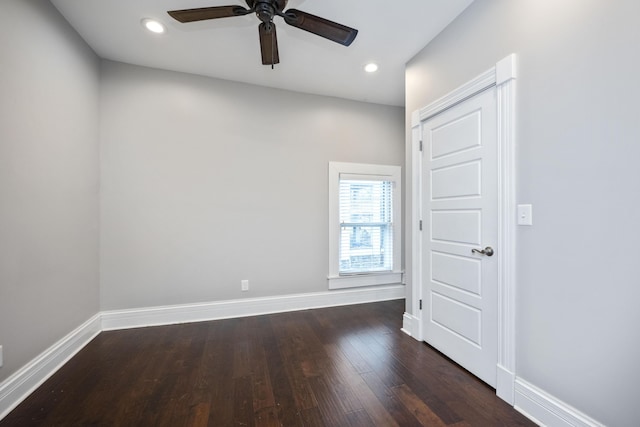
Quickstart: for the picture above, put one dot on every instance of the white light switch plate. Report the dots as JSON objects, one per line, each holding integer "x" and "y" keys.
{"x": 525, "y": 215}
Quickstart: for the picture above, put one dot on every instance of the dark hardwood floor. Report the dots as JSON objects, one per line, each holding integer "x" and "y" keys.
{"x": 342, "y": 366}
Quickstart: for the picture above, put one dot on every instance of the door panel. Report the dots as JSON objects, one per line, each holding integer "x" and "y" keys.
{"x": 456, "y": 226}
{"x": 455, "y": 135}
{"x": 456, "y": 271}
{"x": 459, "y": 204}
{"x": 461, "y": 180}
{"x": 460, "y": 319}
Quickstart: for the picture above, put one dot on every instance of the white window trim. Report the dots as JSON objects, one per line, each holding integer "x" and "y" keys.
{"x": 392, "y": 173}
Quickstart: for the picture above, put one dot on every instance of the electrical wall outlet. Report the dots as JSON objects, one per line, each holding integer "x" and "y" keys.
{"x": 244, "y": 285}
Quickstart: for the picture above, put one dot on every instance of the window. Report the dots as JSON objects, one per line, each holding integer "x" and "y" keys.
{"x": 364, "y": 221}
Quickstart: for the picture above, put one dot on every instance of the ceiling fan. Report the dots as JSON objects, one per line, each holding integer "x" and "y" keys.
{"x": 265, "y": 10}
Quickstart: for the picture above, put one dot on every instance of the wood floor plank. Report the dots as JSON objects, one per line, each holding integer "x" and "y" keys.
{"x": 330, "y": 405}
{"x": 417, "y": 407}
{"x": 243, "y": 414}
{"x": 281, "y": 387}
{"x": 198, "y": 415}
{"x": 366, "y": 347}
{"x": 311, "y": 418}
{"x": 398, "y": 412}
{"x": 333, "y": 367}
{"x": 291, "y": 358}
{"x": 215, "y": 382}
{"x": 267, "y": 417}
{"x": 339, "y": 375}
{"x": 360, "y": 418}
{"x": 375, "y": 410}
{"x": 354, "y": 357}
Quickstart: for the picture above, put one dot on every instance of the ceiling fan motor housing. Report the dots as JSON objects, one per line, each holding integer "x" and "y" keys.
{"x": 266, "y": 9}
{"x": 264, "y": 12}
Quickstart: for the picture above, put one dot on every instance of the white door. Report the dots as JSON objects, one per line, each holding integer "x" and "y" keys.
{"x": 459, "y": 213}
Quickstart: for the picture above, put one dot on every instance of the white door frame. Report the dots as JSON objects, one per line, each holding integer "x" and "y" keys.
{"x": 503, "y": 78}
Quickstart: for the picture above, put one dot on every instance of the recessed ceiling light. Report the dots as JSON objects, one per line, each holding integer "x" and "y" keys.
{"x": 153, "y": 26}
{"x": 371, "y": 67}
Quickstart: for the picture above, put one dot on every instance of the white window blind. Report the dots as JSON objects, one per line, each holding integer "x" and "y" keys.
{"x": 366, "y": 226}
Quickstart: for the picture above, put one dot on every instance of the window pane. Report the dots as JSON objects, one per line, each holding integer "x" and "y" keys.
{"x": 366, "y": 241}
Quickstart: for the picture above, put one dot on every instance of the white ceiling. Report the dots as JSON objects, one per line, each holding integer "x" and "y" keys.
{"x": 390, "y": 33}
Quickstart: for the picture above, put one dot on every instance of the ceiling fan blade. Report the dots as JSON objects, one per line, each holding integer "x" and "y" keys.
{"x": 204, "y": 13}
{"x": 268, "y": 44}
{"x": 322, "y": 27}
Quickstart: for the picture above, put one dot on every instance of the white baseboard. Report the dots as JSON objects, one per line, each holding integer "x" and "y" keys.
{"x": 411, "y": 325}
{"x": 167, "y": 315}
{"x": 546, "y": 410}
{"x": 18, "y": 386}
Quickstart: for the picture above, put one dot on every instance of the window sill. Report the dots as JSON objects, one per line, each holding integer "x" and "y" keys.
{"x": 358, "y": 280}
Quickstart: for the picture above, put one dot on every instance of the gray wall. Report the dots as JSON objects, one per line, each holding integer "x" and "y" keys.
{"x": 578, "y": 136}
{"x": 206, "y": 182}
{"x": 48, "y": 180}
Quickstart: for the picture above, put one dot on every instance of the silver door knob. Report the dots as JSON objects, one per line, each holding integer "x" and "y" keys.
{"x": 488, "y": 251}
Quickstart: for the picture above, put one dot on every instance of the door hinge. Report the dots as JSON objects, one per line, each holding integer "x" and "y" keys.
{"x": 420, "y": 145}
{"x": 420, "y": 225}
{"x": 420, "y": 304}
